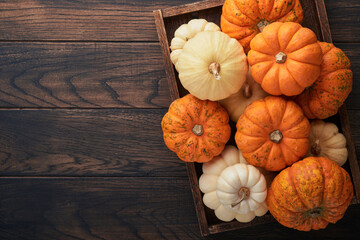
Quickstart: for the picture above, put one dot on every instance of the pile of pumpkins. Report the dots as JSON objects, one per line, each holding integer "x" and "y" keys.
{"x": 270, "y": 75}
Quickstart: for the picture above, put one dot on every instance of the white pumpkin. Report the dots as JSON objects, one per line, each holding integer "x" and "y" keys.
{"x": 326, "y": 141}
{"x": 233, "y": 188}
{"x": 186, "y": 32}
{"x": 249, "y": 92}
{"x": 212, "y": 66}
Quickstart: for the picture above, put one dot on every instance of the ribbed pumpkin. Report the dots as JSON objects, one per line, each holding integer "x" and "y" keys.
{"x": 196, "y": 130}
{"x": 310, "y": 194}
{"x": 186, "y": 32}
{"x": 285, "y": 58}
{"x": 326, "y": 141}
{"x": 245, "y": 203}
{"x": 212, "y": 66}
{"x": 243, "y": 19}
{"x": 236, "y": 103}
{"x": 331, "y": 89}
{"x": 273, "y": 133}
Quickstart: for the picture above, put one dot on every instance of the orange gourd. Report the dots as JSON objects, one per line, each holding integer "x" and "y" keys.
{"x": 243, "y": 19}
{"x": 310, "y": 194}
{"x": 273, "y": 133}
{"x": 285, "y": 58}
{"x": 331, "y": 89}
{"x": 196, "y": 130}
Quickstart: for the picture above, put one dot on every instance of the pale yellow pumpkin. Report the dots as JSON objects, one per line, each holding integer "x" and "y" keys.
{"x": 233, "y": 188}
{"x": 212, "y": 66}
{"x": 326, "y": 141}
{"x": 249, "y": 92}
{"x": 186, "y": 32}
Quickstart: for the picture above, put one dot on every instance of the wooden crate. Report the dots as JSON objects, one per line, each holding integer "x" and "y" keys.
{"x": 167, "y": 21}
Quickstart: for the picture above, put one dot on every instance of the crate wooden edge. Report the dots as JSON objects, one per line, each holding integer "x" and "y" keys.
{"x": 174, "y": 94}
{"x": 343, "y": 115}
{"x": 159, "y": 16}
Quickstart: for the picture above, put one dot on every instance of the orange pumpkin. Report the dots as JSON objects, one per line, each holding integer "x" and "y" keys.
{"x": 273, "y": 133}
{"x": 310, "y": 194}
{"x": 196, "y": 130}
{"x": 285, "y": 58}
{"x": 331, "y": 89}
{"x": 243, "y": 19}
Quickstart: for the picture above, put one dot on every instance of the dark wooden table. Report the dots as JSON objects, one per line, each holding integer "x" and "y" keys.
{"x": 82, "y": 94}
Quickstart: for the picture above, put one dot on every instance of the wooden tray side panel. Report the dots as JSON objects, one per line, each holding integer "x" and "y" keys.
{"x": 164, "y": 44}
{"x": 344, "y": 119}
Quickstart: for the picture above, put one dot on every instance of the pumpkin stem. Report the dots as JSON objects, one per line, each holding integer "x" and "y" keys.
{"x": 198, "y": 130}
{"x": 214, "y": 68}
{"x": 280, "y": 57}
{"x": 315, "y": 148}
{"x": 262, "y": 24}
{"x": 244, "y": 193}
{"x": 276, "y": 136}
{"x": 247, "y": 90}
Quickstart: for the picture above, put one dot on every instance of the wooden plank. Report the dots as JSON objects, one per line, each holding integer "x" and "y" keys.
{"x": 191, "y": 7}
{"x": 94, "y": 75}
{"x": 85, "y": 75}
{"x": 111, "y": 142}
{"x": 124, "y": 208}
{"x": 90, "y": 20}
{"x": 124, "y": 20}
{"x": 344, "y": 20}
{"x": 96, "y": 208}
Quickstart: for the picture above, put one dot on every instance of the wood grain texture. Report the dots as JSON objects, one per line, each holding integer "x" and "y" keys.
{"x": 124, "y": 208}
{"x": 164, "y": 44}
{"x": 82, "y": 20}
{"x": 191, "y": 7}
{"x": 344, "y": 20}
{"x": 110, "y": 142}
{"x": 85, "y": 75}
{"x": 123, "y": 20}
{"x": 96, "y": 208}
{"x": 95, "y": 75}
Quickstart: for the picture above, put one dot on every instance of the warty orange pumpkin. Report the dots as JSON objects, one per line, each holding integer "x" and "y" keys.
{"x": 331, "y": 89}
{"x": 243, "y": 19}
{"x": 273, "y": 133}
{"x": 285, "y": 58}
{"x": 196, "y": 130}
{"x": 310, "y": 194}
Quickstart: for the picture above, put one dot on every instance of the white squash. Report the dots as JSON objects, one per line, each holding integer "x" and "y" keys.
{"x": 326, "y": 141}
{"x": 212, "y": 66}
{"x": 249, "y": 92}
{"x": 186, "y": 32}
{"x": 233, "y": 188}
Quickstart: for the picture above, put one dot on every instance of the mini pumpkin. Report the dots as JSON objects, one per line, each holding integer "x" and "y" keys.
{"x": 310, "y": 194}
{"x": 236, "y": 103}
{"x": 244, "y": 198}
{"x": 331, "y": 89}
{"x": 186, "y": 32}
{"x": 285, "y": 58}
{"x": 326, "y": 141}
{"x": 196, "y": 130}
{"x": 243, "y": 19}
{"x": 212, "y": 66}
{"x": 273, "y": 133}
